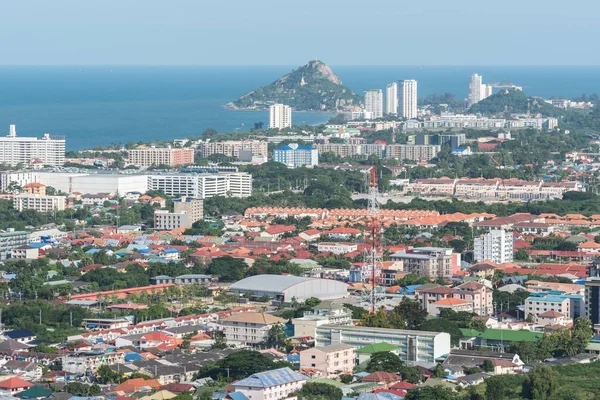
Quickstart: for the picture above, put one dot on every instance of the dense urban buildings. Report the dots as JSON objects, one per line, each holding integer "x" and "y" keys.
{"x": 280, "y": 116}
{"x": 374, "y": 102}
{"x": 495, "y": 246}
{"x": 49, "y": 150}
{"x": 391, "y": 99}
{"x": 295, "y": 155}
{"x": 233, "y": 148}
{"x": 407, "y": 99}
{"x": 154, "y": 156}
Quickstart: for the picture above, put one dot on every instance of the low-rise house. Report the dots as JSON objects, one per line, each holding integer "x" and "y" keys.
{"x": 25, "y": 369}
{"x": 336, "y": 248}
{"x": 137, "y": 384}
{"x": 450, "y": 303}
{"x": 504, "y": 363}
{"x": 329, "y": 361}
{"x": 96, "y": 199}
{"x": 89, "y": 362}
{"x": 15, "y": 385}
{"x": 20, "y": 335}
{"x": 270, "y": 385}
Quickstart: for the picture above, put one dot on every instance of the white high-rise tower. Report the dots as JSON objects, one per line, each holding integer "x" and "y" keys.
{"x": 391, "y": 98}
{"x": 477, "y": 90}
{"x": 374, "y": 102}
{"x": 280, "y": 116}
{"x": 407, "y": 98}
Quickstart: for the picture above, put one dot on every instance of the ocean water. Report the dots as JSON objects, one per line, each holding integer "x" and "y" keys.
{"x": 94, "y": 106}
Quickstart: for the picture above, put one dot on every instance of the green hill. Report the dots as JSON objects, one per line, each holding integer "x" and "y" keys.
{"x": 312, "y": 87}
{"x": 514, "y": 101}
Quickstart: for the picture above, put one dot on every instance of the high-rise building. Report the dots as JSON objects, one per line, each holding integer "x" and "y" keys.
{"x": 407, "y": 99}
{"x": 49, "y": 150}
{"x": 161, "y": 156}
{"x": 495, "y": 246}
{"x": 294, "y": 155}
{"x": 374, "y": 102}
{"x": 477, "y": 90}
{"x": 391, "y": 98}
{"x": 202, "y": 186}
{"x": 280, "y": 116}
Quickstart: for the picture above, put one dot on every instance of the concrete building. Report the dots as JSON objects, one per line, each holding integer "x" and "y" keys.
{"x": 286, "y": 287}
{"x": 294, "y": 155}
{"x": 346, "y": 150}
{"x": 495, "y": 246}
{"x": 49, "y": 150}
{"x": 165, "y": 220}
{"x": 276, "y": 384}
{"x": 280, "y": 116}
{"x": 248, "y": 328}
{"x": 232, "y": 148}
{"x": 25, "y": 252}
{"x": 97, "y": 182}
{"x": 391, "y": 99}
{"x": 478, "y": 298}
{"x": 17, "y": 178}
{"x": 477, "y": 90}
{"x": 453, "y": 141}
{"x": 374, "y": 102}
{"x": 89, "y": 362}
{"x": 412, "y": 152}
{"x": 414, "y": 345}
{"x": 538, "y": 303}
{"x": 202, "y": 186}
{"x": 11, "y": 239}
{"x": 592, "y": 299}
{"x": 326, "y": 313}
{"x": 407, "y": 99}
{"x": 328, "y": 361}
{"x": 35, "y": 188}
{"x": 38, "y": 203}
{"x": 431, "y": 262}
{"x": 336, "y": 247}
{"x": 193, "y": 207}
{"x": 171, "y": 157}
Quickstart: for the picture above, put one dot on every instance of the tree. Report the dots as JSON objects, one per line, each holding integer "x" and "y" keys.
{"x": 412, "y": 312}
{"x": 581, "y": 333}
{"x": 220, "y": 342}
{"x": 540, "y": 383}
{"x": 238, "y": 365}
{"x": 318, "y": 391}
{"x": 346, "y": 379}
{"x": 411, "y": 374}
{"x": 439, "y": 371}
{"x": 478, "y": 325}
{"x": 487, "y": 366}
{"x": 494, "y": 388}
{"x": 430, "y": 393}
{"x": 227, "y": 268}
{"x": 106, "y": 375}
{"x": 527, "y": 351}
{"x": 443, "y": 325}
{"x": 276, "y": 336}
{"x": 382, "y": 319}
{"x": 384, "y": 361}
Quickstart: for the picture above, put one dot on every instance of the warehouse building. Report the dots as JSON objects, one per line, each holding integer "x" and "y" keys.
{"x": 285, "y": 288}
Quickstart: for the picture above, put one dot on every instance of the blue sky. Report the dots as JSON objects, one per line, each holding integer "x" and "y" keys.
{"x": 288, "y": 32}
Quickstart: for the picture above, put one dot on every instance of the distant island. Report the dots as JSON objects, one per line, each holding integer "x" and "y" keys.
{"x": 312, "y": 87}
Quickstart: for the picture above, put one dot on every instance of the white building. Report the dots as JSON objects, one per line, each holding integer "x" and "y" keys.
{"x": 248, "y": 328}
{"x": 295, "y": 155}
{"x": 232, "y": 148}
{"x": 412, "y": 152}
{"x": 286, "y": 287}
{"x": 18, "y": 177}
{"x": 495, "y": 246}
{"x": 391, "y": 98}
{"x": 167, "y": 220}
{"x": 38, "y": 203}
{"x": 202, "y": 186}
{"x": 270, "y": 385}
{"x": 407, "y": 99}
{"x": 374, "y": 102}
{"x": 280, "y": 116}
{"x": 477, "y": 90}
{"x": 70, "y": 182}
{"x": 11, "y": 239}
{"x": 49, "y": 150}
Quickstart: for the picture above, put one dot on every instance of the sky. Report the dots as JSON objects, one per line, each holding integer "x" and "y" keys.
{"x": 289, "y": 32}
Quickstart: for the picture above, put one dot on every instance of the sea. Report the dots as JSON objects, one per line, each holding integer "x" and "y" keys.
{"x": 99, "y": 105}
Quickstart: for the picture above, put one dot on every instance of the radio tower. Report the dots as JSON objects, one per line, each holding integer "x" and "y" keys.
{"x": 373, "y": 254}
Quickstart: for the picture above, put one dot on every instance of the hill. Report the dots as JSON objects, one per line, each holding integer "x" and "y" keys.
{"x": 312, "y": 87}
{"x": 514, "y": 101}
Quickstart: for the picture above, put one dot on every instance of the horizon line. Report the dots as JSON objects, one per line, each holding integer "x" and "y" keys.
{"x": 296, "y": 65}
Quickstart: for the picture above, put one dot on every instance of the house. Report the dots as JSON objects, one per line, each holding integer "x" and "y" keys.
{"x": 552, "y": 318}
{"x": 248, "y": 328}
{"x": 342, "y": 233}
{"x": 20, "y": 335}
{"x": 450, "y": 303}
{"x": 329, "y": 361}
{"x": 97, "y": 199}
{"x": 336, "y": 248}
{"x": 310, "y": 235}
{"x": 15, "y": 385}
{"x": 271, "y": 385}
{"x": 135, "y": 385}
{"x": 382, "y": 378}
{"x": 25, "y": 369}
{"x": 504, "y": 363}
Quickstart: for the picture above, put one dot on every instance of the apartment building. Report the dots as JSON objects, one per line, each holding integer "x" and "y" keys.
{"x": 328, "y": 361}
{"x": 248, "y": 328}
{"x": 472, "y": 295}
{"x": 165, "y": 220}
{"x": 153, "y": 156}
{"x": 35, "y": 188}
{"x": 326, "y": 313}
{"x": 413, "y": 345}
{"x": 592, "y": 299}
{"x": 407, "y": 98}
{"x": 88, "y": 363}
{"x": 452, "y": 141}
{"x": 495, "y": 246}
{"x": 347, "y": 150}
{"x": 18, "y": 178}
{"x": 202, "y": 186}
{"x": 11, "y": 239}
{"x": 232, "y": 148}
{"x": 432, "y": 262}
{"x": 49, "y": 150}
{"x": 295, "y": 155}
{"x": 280, "y": 116}
{"x": 391, "y": 99}
{"x": 412, "y": 152}
{"x": 193, "y": 207}
{"x": 38, "y": 203}
{"x": 374, "y": 102}
{"x": 275, "y": 384}
{"x": 336, "y": 248}
{"x": 538, "y": 303}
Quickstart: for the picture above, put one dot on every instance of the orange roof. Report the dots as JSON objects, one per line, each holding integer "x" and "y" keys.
{"x": 133, "y": 385}
{"x": 589, "y": 245}
{"x": 450, "y": 301}
{"x": 15, "y": 383}
{"x": 34, "y": 184}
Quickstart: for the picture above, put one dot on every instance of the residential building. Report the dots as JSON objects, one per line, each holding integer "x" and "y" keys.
{"x": 336, "y": 247}
{"x": 89, "y": 362}
{"x": 49, "y": 150}
{"x": 248, "y": 328}
{"x": 374, "y": 102}
{"x": 592, "y": 299}
{"x": 328, "y": 361}
{"x": 20, "y": 335}
{"x": 412, "y": 152}
{"x": 431, "y": 262}
{"x": 25, "y": 252}
{"x": 326, "y": 313}
{"x": 407, "y": 99}
{"x": 414, "y": 345}
{"x": 495, "y": 246}
{"x": 95, "y": 199}
{"x": 11, "y": 239}
{"x": 35, "y": 188}
{"x": 17, "y": 178}
{"x": 168, "y": 156}
{"x": 193, "y": 207}
{"x": 477, "y": 90}
{"x": 450, "y": 303}
{"x": 452, "y": 141}
{"x": 472, "y": 296}
{"x": 39, "y": 203}
{"x": 270, "y": 385}
{"x": 202, "y": 186}
{"x": 14, "y": 385}
{"x": 189, "y": 279}
{"x": 391, "y": 98}
{"x": 166, "y": 220}
{"x": 232, "y": 148}
{"x": 294, "y": 155}
{"x": 537, "y": 304}
{"x": 97, "y": 182}
{"x": 280, "y": 116}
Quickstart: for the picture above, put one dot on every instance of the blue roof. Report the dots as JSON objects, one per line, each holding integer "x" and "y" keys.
{"x": 237, "y": 396}
{"x": 300, "y": 147}
{"x": 133, "y": 357}
{"x": 37, "y": 245}
{"x": 9, "y": 276}
{"x": 271, "y": 378}
{"x": 92, "y": 251}
{"x": 552, "y": 298}
{"x": 170, "y": 251}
